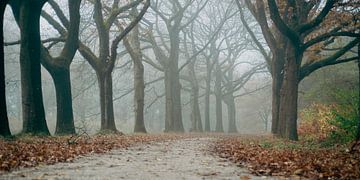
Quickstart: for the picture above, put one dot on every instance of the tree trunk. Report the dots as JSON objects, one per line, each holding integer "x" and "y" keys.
{"x": 173, "y": 87}
{"x": 218, "y": 98}
{"x": 207, "y": 99}
{"x": 169, "y": 104}
{"x": 195, "y": 111}
{"x": 64, "y": 116}
{"x": 230, "y": 103}
{"x": 358, "y": 128}
{"x": 173, "y": 115}
{"x": 4, "y": 121}
{"x": 106, "y": 101}
{"x": 277, "y": 78}
{"x": 139, "y": 96}
{"x": 289, "y": 96}
{"x": 27, "y": 14}
{"x": 132, "y": 45}
{"x": 59, "y": 68}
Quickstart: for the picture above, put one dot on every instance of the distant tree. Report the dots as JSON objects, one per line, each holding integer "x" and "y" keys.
{"x": 232, "y": 82}
{"x": 196, "y": 124}
{"x": 27, "y": 15}
{"x": 275, "y": 60}
{"x": 176, "y": 16}
{"x": 4, "y": 121}
{"x": 209, "y": 32}
{"x": 132, "y": 45}
{"x": 264, "y": 113}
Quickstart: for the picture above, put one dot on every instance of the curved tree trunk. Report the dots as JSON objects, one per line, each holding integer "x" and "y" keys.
{"x": 27, "y": 14}
{"x": 106, "y": 102}
{"x": 64, "y": 115}
{"x": 59, "y": 68}
{"x": 4, "y": 121}
{"x": 132, "y": 45}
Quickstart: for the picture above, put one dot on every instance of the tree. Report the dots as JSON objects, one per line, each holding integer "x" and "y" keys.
{"x": 299, "y": 22}
{"x": 4, "y": 121}
{"x": 218, "y": 95}
{"x": 296, "y": 30}
{"x": 275, "y": 62}
{"x": 59, "y": 69}
{"x": 196, "y": 124}
{"x": 209, "y": 32}
{"x": 103, "y": 64}
{"x": 235, "y": 45}
{"x": 173, "y": 15}
{"x": 27, "y": 15}
{"x": 132, "y": 45}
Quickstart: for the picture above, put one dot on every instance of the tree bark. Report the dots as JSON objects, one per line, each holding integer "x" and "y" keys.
{"x": 64, "y": 115}
{"x": 4, "y": 121}
{"x": 173, "y": 121}
{"x": 289, "y": 95}
{"x": 59, "y": 69}
{"x": 106, "y": 101}
{"x": 277, "y": 64}
{"x": 358, "y": 128}
{"x": 207, "y": 96}
{"x": 132, "y": 45}
{"x": 139, "y": 96}
{"x": 195, "y": 110}
{"x": 27, "y": 14}
{"x": 173, "y": 112}
{"x": 218, "y": 99}
{"x": 230, "y": 103}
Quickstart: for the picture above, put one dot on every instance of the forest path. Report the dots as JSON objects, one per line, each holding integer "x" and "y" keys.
{"x": 179, "y": 159}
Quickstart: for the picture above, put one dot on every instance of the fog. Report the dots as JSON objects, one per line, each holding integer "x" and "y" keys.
{"x": 211, "y": 30}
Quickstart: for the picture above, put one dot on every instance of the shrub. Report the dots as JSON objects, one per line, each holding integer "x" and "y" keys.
{"x": 315, "y": 121}
{"x": 335, "y": 123}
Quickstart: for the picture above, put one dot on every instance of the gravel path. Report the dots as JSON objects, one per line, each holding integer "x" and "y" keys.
{"x": 180, "y": 159}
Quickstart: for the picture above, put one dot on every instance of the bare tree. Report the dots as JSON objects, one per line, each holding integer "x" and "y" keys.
{"x": 103, "y": 64}
{"x": 132, "y": 44}
{"x": 167, "y": 53}
{"x": 208, "y": 34}
{"x": 297, "y": 29}
{"x": 196, "y": 124}
{"x": 299, "y": 26}
{"x": 275, "y": 61}
{"x": 59, "y": 69}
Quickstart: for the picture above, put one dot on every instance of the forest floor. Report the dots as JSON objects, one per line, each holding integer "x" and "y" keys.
{"x": 184, "y": 158}
{"x": 174, "y": 156}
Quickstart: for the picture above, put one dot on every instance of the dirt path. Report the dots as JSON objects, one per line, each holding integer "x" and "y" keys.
{"x": 181, "y": 159}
